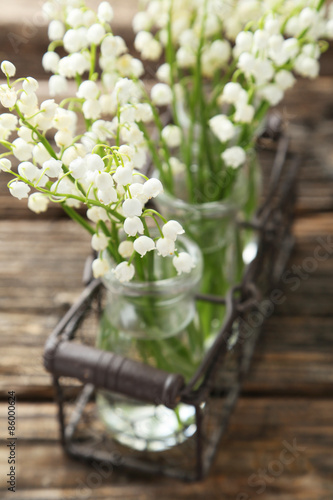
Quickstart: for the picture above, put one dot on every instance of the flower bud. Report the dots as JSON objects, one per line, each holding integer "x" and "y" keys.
{"x": 8, "y": 68}
{"x": 38, "y": 202}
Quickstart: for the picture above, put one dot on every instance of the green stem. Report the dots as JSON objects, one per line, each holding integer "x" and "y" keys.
{"x": 156, "y": 158}
{"x": 92, "y": 61}
{"x": 78, "y": 218}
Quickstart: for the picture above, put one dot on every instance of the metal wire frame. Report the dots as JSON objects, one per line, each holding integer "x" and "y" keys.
{"x": 100, "y": 369}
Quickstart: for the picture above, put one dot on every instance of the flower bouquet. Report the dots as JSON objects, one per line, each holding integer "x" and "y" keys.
{"x": 221, "y": 66}
{"x": 67, "y": 154}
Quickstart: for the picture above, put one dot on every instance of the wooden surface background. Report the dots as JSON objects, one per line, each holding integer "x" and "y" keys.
{"x": 288, "y": 397}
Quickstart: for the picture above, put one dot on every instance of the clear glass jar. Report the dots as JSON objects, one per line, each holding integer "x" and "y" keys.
{"x": 214, "y": 226}
{"x": 155, "y": 323}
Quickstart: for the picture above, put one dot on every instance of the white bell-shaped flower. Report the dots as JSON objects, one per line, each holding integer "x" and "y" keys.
{"x": 5, "y": 164}
{"x": 141, "y": 21}
{"x": 96, "y": 214}
{"x": 161, "y": 94}
{"x": 57, "y": 85}
{"x": 100, "y": 267}
{"x": 143, "y": 244}
{"x": 75, "y": 18}
{"x": 94, "y": 162}
{"x": 124, "y": 272}
{"x": 234, "y": 157}
{"x": 183, "y": 263}
{"x": 126, "y": 249}
{"x": 8, "y": 121}
{"x": 132, "y": 208}
{"x": 143, "y": 112}
{"x": 50, "y": 61}
{"x": 72, "y": 41}
{"x": 40, "y": 153}
{"x": 133, "y": 226}
{"x": 152, "y": 188}
{"x": 56, "y": 30}
{"x": 222, "y": 127}
{"x": 123, "y": 175}
{"x": 244, "y": 113}
{"x": 172, "y": 229}
{"x": 52, "y": 167}
{"x": 105, "y": 12}
{"x": 8, "y": 96}
{"x": 91, "y": 109}
{"x": 95, "y": 34}
{"x": 231, "y": 92}
{"x": 165, "y": 246}
{"x": 29, "y": 171}
{"x": 38, "y": 202}
{"x": 104, "y": 181}
{"x": 272, "y": 93}
{"x": 107, "y": 196}
{"x": 136, "y": 190}
{"x": 172, "y": 135}
{"x": 19, "y": 189}
{"x": 8, "y": 68}
{"x": 28, "y": 103}
{"x": 78, "y": 168}
{"x": 285, "y": 79}
{"x": 22, "y": 150}
{"x": 30, "y": 85}
{"x": 63, "y": 138}
{"x": 88, "y": 90}
{"x": 99, "y": 242}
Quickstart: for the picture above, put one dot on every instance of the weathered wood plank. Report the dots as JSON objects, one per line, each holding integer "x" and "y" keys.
{"x": 272, "y": 424}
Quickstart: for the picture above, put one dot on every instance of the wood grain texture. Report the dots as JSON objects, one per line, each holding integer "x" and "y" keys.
{"x": 272, "y": 425}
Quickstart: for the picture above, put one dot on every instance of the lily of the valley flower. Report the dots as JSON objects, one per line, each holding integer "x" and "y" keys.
{"x": 143, "y": 244}
{"x": 183, "y": 263}
{"x": 124, "y": 272}
{"x": 224, "y": 64}
{"x": 99, "y": 172}
{"x": 172, "y": 229}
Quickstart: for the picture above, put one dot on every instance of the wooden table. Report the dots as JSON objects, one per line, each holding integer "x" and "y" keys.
{"x": 287, "y": 399}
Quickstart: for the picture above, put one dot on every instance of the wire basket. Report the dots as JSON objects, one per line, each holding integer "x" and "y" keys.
{"x": 78, "y": 368}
